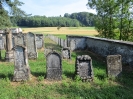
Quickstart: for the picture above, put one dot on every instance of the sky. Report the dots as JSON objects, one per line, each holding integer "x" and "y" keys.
{"x": 54, "y": 7}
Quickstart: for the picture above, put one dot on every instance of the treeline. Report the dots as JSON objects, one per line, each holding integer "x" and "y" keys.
{"x": 68, "y": 20}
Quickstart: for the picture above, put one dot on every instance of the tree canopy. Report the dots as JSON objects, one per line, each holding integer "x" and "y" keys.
{"x": 13, "y": 10}
{"x": 114, "y": 18}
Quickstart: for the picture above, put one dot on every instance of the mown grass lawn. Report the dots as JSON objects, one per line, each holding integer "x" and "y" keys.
{"x": 70, "y": 86}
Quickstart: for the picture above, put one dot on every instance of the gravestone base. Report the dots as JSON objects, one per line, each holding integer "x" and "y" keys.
{"x": 9, "y": 56}
{"x": 22, "y": 74}
{"x": 32, "y": 55}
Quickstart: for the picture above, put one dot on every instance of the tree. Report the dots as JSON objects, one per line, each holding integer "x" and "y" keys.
{"x": 13, "y": 11}
{"x": 111, "y": 16}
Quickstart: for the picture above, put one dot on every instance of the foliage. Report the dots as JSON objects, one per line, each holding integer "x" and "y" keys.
{"x": 14, "y": 10}
{"x": 112, "y": 15}
{"x": 80, "y": 19}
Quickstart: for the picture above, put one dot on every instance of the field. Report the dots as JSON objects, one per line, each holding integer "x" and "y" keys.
{"x": 89, "y": 31}
{"x": 71, "y": 86}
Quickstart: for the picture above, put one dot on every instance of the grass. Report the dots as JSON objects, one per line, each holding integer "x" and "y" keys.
{"x": 70, "y": 87}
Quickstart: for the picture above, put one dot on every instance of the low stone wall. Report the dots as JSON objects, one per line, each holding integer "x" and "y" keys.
{"x": 102, "y": 47}
{"x": 76, "y": 42}
{"x": 106, "y": 47}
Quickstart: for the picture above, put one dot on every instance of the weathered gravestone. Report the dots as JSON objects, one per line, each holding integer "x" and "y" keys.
{"x": 22, "y": 71}
{"x": 9, "y": 56}
{"x": 39, "y": 41}
{"x": 19, "y": 39}
{"x": 1, "y": 43}
{"x": 83, "y": 67}
{"x": 114, "y": 65}
{"x": 54, "y": 66}
{"x": 66, "y": 54}
{"x": 72, "y": 45}
{"x": 31, "y": 46}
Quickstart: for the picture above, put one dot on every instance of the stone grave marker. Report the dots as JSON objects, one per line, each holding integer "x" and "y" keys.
{"x": 72, "y": 45}
{"x": 1, "y": 43}
{"x": 54, "y": 66}
{"x": 31, "y": 46}
{"x": 83, "y": 67}
{"x": 66, "y": 54}
{"x": 21, "y": 69}
{"x": 114, "y": 65}
{"x": 39, "y": 41}
{"x": 19, "y": 39}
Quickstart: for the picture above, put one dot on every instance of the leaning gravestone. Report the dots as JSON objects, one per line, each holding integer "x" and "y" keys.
{"x": 31, "y": 46}
{"x": 54, "y": 66}
{"x": 83, "y": 67}
{"x": 39, "y": 41}
{"x": 114, "y": 65}
{"x": 66, "y": 54}
{"x": 22, "y": 71}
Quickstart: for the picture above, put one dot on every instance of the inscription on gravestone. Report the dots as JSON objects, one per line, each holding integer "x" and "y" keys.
{"x": 31, "y": 46}
{"x": 39, "y": 41}
{"x": 54, "y": 66}
{"x": 22, "y": 71}
{"x": 83, "y": 67}
{"x": 66, "y": 54}
{"x": 114, "y": 65}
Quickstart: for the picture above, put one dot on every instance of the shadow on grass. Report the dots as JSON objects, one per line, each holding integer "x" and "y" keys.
{"x": 80, "y": 91}
{"x": 37, "y": 74}
{"x": 53, "y": 46}
{"x": 3, "y": 76}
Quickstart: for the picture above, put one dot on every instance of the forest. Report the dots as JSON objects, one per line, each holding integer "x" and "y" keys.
{"x": 68, "y": 20}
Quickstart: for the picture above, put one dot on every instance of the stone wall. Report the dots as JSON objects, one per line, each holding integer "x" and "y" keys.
{"x": 102, "y": 46}
{"x": 76, "y": 42}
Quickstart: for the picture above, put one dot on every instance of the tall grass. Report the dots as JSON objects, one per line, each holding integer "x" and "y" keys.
{"x": 69, "y": 87}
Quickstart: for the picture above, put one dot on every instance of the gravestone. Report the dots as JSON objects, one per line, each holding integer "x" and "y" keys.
{"x": 39, "y": 41}
{"x": 4, "y": 40}
{"x": 114, "y": 65}
{"x": 21, "y": 69}
{"x": 66, "y": 54}
{"x": 31, "y": 46}
{"x": 83, "y": 67}
{"x": 1, "y": 43}
{"x": 19, "y": 39}
{"x": 54, "y": 66}
{"x": 9, "y": 56}
{"x": 72, "y": 45}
